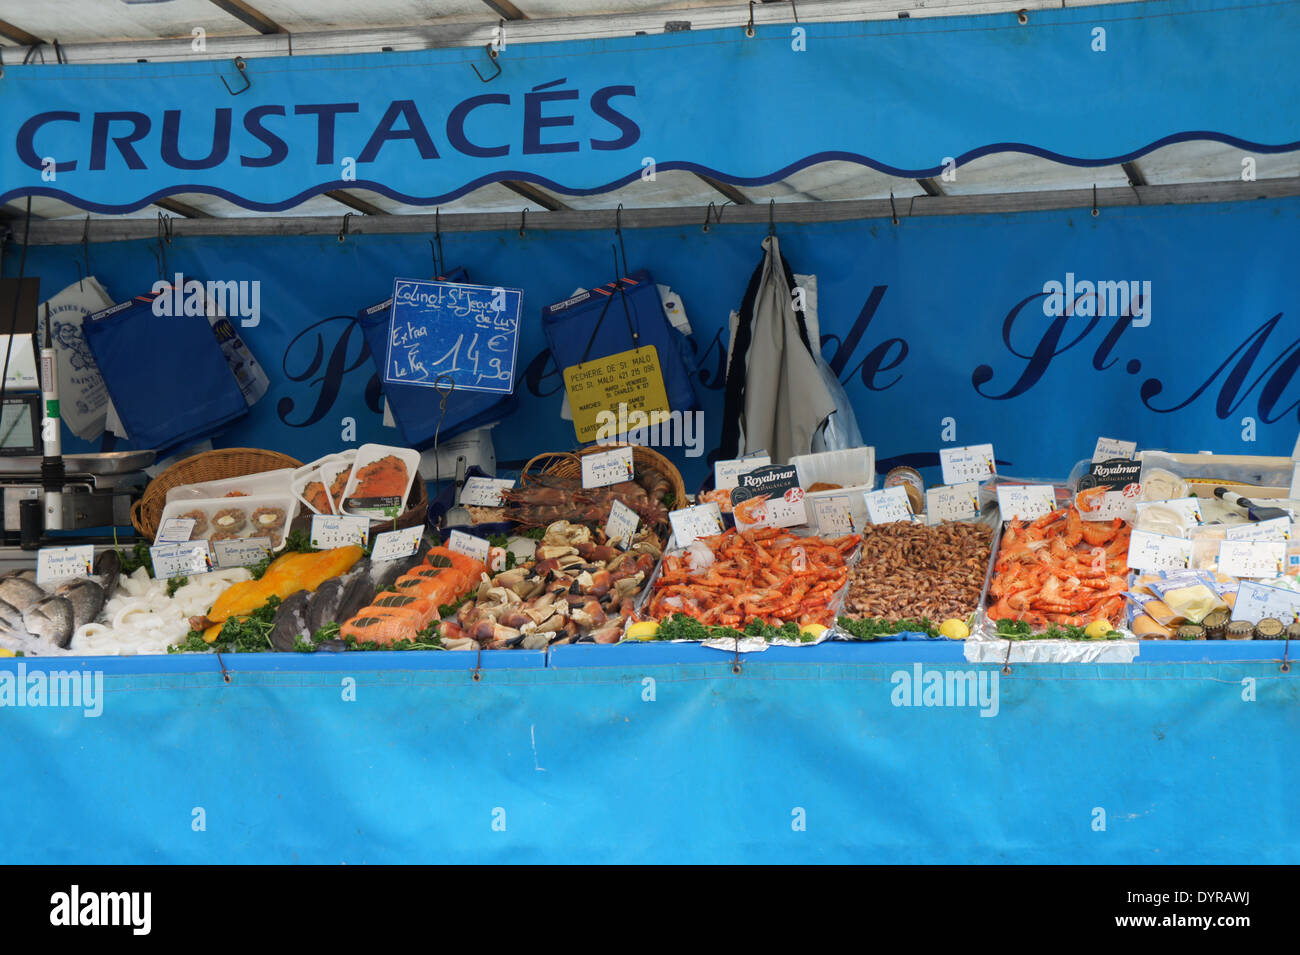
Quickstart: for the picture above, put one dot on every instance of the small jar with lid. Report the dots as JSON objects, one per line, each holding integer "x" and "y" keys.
{"x": 1240, "y": 630}
{"x": 1293, "y": 631}
{"x": 1216, "y": 624}
{"x": 1191, "y": 631}
{"x": 1269, "y": 628}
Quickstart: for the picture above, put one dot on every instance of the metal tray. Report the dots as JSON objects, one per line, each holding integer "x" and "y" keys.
{"x": 107, "y": 462}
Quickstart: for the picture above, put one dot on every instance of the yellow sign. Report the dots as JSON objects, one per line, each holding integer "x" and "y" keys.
{"x": 611, "y": 396}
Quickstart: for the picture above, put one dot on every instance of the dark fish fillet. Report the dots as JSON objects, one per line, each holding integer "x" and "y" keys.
{"x": 87, "y": 599}
{"x": 290, "y": 621}
{"x": 323, "y": 606}
{"x": 356, "y": 595}
{"x": 51, "y": 619}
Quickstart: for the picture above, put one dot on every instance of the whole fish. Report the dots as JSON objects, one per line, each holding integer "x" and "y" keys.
{"x": 290, "y": 621}
{"x": 11, "y": 617}
{"x": 51, "y": 619}
{"x": 357, "y": 594}
{"x": 87, "y": 599}
{"x": 21, "y": 592}
{"x": 108, "y": 568}
{"x": 323, "y": 607}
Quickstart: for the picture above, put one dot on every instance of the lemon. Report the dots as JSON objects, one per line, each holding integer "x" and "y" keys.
{"x": 954, "y": 629}
{"x": 5, "y": 653}
{"x": 1097, "y": 630}
{"x": 814, "y": 630}
{"x": 643, "y": 630}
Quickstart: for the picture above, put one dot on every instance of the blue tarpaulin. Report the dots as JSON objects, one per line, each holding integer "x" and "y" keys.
{"x": 810, "y": 755}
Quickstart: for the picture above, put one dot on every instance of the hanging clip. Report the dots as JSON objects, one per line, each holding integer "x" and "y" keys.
{"x": 85, "y": 255}
{"x": 164, "y": 227}
{"x": 435, "y": 246}
{"x": 493, "y": 51}
{"x": 1095, "y": 211}
{"x": 714, "y": 213}
{"x": 893, "y": 212}
{"x": 771, "y": 218}
{"x": 523, "y": 221}
{"x": 343, "y": 231}
{"x": 749, "y": 27}
{"x": 618, "y": 231}
{"x": 243, "y": 71}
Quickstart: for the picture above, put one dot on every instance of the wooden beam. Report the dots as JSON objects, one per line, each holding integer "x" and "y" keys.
{"x": 731, "y": 192}
{"x": 355, "y": 202}
{"x": 182, "y": 209}
{"x": 1135, "y": 176}
{"x": 930, "y": 187}
{"x": 535, "y": 195}
{"x": 506, "y": 10}
{"x": 249, "y": 16}
{"x": 18, "y": 34}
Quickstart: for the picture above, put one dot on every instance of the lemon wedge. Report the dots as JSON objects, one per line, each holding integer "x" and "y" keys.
{"x": 5, "y": 653}
{"x": 643, "y": 630}
{"x": 954, "y": 629}
{"x": 814, "y": 630}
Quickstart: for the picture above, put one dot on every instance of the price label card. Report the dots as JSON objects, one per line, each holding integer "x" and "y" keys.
{"x": 692, "y": 523}
{"x": 1252, "y": 558}
{"x": 468, "y": 544}
{"x": 180, "y": 560}
{"x": 1112, "y": 504}
{"x": 958, "y": 502}
{"x": 1189, "y": 508}
{"x": 60, "y": 563}
{"x": 394, "y": 545}
{"x": 621, "y": 524}
{"x": 726, "y": 474}
{"x": 834, "y": 516}
{"x": 1147, "y": 551}
{"x": 630, "y": 381}
{"x": 888, "y": 506}
{"x": 484, "y": 491}
{"x": 607, "y": 467}
{"x": 1109, "y": 448}
{"x": 971, "y": 463}
{"x": 175, "y": 530}
{"x": 241, "y": 553}
{"x": 1026, "y": 501}
{"x": 330, "y": 530}
{"x": 1274, "y": 529}
{"x": 769, "y": 496}
{"x": 1256, "y": 601}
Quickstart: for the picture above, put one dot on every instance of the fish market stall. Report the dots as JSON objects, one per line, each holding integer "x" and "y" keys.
{"x": 771, "y": 531}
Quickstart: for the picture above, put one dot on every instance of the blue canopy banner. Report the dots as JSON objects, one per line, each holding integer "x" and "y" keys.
{"x": 938, "y": 327}
{"x": 785, "y": 761}
{"x": 906, "y": 97}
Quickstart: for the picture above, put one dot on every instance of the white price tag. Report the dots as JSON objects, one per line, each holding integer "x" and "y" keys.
{"x": 330, "y": 530}
{"x": 726, "y": 474}
{"x": 180, "y": 560}
{"x": 971, "y": 463}
{"x": 1256, "y": 601}
{"x": 958, "y": 502}
{"x": 888, "y": 505}
{"x": 394, "y": 545}
{"x": 1025, "y": 501}
{"x": 692, "y": 523}
{"x": 1110, "y": 448}
{"x": 241, "y": 553}
{"x": 1113, "y": 504}
{"x": 1148, "y": 551}
{"x": 484, "y": 491}
{"x": 1274, "y": 529}
{"x": 1252, "y": 558}
{"x": 60, "y": 563}
{"x": 834, "y": 516}
{"x": 470, "y": 545}
{"x": 607, "y": 467}
{"x": 1188, "y": 507}
{"x": 621, "y": 524}
{"x": 175, "y": 530}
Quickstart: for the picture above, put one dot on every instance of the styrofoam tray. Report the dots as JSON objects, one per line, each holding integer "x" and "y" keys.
{"x": 247, "y": 485}
{"x": 211, "y": 512}
{"x": 368, "y": 454}
{"x": 854, "y": 469}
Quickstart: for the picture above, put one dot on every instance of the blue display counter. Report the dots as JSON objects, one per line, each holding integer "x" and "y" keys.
{"x": 894, "y": 751}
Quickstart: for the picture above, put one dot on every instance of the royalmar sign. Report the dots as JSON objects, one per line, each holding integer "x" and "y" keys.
{"x": 1089, "y": 86}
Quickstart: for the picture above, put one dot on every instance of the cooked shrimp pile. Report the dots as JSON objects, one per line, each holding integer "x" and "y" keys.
{"x": 764, "y": 574}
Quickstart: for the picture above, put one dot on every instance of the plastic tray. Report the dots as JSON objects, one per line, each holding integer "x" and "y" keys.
{"x": 210, "y": 508}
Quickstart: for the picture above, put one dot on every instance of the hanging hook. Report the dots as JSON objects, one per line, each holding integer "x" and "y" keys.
{"x": 435, "y": 247}
{"x": 343, "y": 232}
{"x": 771, "y": 217}
{"x": 1095, "y": 211}
{"x": 85, "y": 254}
{"x": 618, "y": 231}
{"x": 243, "y": 72}
{"x": 893, "y": 212}
{"x": 164, "y": 227}
{"x": 523, "y": 221}
{"x": 795, "y": 11}
{"x": 493, "y": 51}
{"x": 749, "y": 27}
{"x": 714, "y": 213}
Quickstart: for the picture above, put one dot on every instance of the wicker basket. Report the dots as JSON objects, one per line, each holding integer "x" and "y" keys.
{"x": 568, "y": 464}
{"x": 207, "y": 466}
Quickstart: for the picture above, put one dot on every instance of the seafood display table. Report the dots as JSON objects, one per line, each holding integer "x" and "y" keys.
{"x": 657, "y": 752}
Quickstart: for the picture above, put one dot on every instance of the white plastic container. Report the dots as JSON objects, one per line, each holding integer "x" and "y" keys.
{"x": 265, "y": 482}
{"x": 237, "y": 518}
{"x": 370, "y": 454}
{"x": 854, "y": 469}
